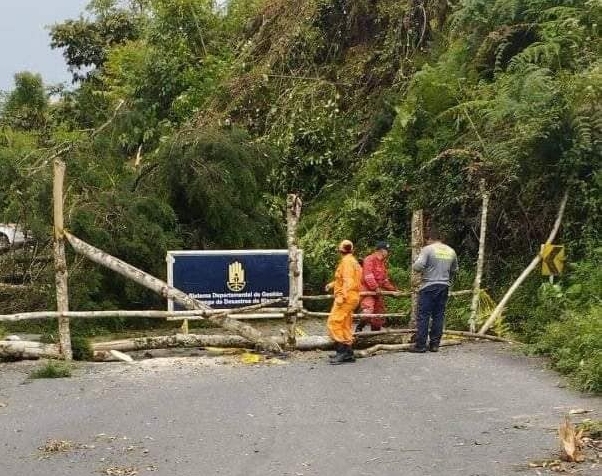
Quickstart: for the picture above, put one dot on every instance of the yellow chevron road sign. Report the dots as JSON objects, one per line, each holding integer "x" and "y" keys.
{"x": 552, "y": 259}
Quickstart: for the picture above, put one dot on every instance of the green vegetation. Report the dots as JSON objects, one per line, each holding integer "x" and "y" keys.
{"x": 187, "y": 126}
{"x": 52, "y": 369}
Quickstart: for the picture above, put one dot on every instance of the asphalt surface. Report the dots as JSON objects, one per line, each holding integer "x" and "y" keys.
{"x": 470, "y": 410}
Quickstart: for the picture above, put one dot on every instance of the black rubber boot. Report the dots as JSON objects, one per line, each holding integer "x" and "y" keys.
{"x": 344, "y": 355}
{"x": 338, "y": 350}
{"x": 417, "y": 350}
{"x": 349, "y": 355}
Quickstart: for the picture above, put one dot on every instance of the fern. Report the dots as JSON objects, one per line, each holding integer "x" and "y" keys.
{"x": 485, "y": 308}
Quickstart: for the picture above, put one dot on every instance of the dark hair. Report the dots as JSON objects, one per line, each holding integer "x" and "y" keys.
{"x": 346, "y": 249}
{"x": 382, "y": 245}
{"x": 434, "y": 233}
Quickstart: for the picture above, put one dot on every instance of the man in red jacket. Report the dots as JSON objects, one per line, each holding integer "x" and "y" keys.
{"x": 375, "y": 277}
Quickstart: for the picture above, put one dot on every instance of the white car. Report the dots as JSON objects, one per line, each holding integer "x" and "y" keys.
{"x": 11, "y": 236}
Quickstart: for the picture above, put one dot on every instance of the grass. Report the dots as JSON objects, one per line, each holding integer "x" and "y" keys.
{"x": 52, "y": 369}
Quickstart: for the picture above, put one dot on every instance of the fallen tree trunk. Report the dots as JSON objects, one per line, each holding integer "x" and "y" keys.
{"x": 26, "y": 350}
{"x": 362, "y": 339}
{"x": 168, "y": 292}
{"x": 315, "y": 342}
{"x": 177, "y": 340}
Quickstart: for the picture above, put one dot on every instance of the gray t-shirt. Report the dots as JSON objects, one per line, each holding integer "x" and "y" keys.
{"x": 438, "y": 264}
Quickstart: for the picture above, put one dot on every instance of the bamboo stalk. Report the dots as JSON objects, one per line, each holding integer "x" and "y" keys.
{"x": 60, "y": 261}
{"x": 326, "y": 314}
{"x": 169, "y": 315}
{"x": 223, "y": 312}
{"x": 497, "y": 312}
{"x": 474, "y": 306}
{"x": 168, "y": 292}
{"x": 324, "y": 297}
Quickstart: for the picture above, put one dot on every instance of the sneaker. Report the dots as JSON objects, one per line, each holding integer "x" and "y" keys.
{"x": 433, "y": 348}
{"x": 417, "y": 350}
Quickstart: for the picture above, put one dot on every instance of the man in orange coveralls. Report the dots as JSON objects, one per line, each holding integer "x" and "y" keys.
{"x": 375, "y": 277}
{"x": 346, "y": 284}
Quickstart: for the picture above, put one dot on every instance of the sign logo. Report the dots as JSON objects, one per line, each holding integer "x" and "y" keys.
{"x": 236, "y": 277}
{"x": 552, "y": 259}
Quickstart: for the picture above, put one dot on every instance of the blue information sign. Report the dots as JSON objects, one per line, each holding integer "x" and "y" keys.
{"x": 229, "y": 279}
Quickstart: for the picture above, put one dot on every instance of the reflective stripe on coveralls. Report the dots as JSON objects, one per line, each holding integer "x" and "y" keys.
{"x": 347, "y": 280}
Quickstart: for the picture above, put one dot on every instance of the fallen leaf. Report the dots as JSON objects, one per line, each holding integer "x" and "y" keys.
{"x": 570, "y": 441}
{"x": 248, "y": 358}
{"x": 56, "y": 446}
{"x": 120, "y": 471}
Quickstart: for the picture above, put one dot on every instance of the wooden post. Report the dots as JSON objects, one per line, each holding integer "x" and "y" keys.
{"x": 168, "y": 292}
{"x": 60, "y": 262}
{"x": 497, "y": 312}
{"x": 472, "y": 321}
{"x": 293, "y": 212}
{"x": 417, "y": 244}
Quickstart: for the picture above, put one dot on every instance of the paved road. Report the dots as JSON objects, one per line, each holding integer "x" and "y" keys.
{"x": 471, "y": 410}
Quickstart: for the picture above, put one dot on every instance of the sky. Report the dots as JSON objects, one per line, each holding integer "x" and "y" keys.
{"x": 24, "y": 40}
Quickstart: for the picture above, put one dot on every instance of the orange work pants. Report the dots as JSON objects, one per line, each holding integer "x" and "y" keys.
{"x": 340, "y": 321}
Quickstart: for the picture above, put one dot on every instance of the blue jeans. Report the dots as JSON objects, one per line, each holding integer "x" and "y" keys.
{"x": 431, "y": 303}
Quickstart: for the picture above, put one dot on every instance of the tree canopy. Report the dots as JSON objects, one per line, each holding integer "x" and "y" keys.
{"x": 187, "y": 125}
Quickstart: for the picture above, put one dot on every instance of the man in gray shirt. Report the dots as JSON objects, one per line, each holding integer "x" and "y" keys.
{"x": 438, "y": 264}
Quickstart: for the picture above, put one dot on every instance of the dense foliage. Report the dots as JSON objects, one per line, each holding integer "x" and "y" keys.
{"x": 188, "y": 124}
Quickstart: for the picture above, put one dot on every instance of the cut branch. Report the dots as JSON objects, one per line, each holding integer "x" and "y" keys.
{"x": 397, "y": 347}
{"x": 20, "y": 349}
